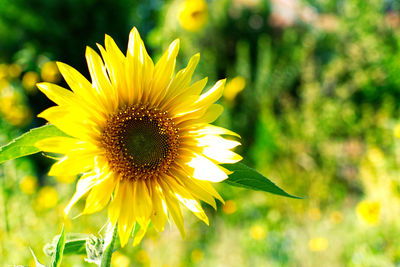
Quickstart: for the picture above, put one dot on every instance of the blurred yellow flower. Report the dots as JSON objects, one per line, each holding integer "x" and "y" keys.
{"x": 29, "y": 81}
{"x": 396, "y": 130}
{"x": 318, "y": 244}
{"x": 47, "y": 198}
{"x": 50, "y": 72}
{"x": 14, "y": 70}
{"x": 193, "y": 14}
{"x": 376, "y": 156}
{"x": 120, "y": 260}
{"x": 196, "y": 256}
{"x": 336, "y": 217}
{"x": 8, "y": 100}
{"x": 233, "y": 87}
{"x": 3, "y": 84}
{"x": 258, "y": 232}
{"x": 3, "y": 71}
{"x": 229, "y": 207}
{"x": 12, "y": 109}
{"x": 314, "y": 214}
{"x": 369, "y": 211}
{"x": 18, "y": 115}
{"x": 28, "y": 184}
{"x": 142, "y": 256}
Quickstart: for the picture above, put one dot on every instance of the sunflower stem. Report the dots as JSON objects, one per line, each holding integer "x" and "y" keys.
{"x": 109, "y": 248}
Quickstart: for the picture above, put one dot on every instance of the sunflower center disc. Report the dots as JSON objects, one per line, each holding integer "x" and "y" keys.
{"x": 146, "y": 142}
{"x": 140, "y": 142}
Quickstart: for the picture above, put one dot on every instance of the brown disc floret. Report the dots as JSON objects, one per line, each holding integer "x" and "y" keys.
{"x": 140, "y": 142}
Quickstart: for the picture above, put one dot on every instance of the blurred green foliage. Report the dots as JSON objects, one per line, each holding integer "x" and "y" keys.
{"x": 318, "y": 115}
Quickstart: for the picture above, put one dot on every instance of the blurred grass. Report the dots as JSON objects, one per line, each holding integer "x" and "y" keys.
{"x": 314, "y": 94}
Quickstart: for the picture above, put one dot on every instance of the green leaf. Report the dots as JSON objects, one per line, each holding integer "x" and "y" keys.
{"x": 244, "y": 176}
{"x": 25, "y": 144}
{"x": 76, "y": 247}
{"x": 75, "y": 243}
{"x": 59, "y": 249}
{"x": 108, "y": 251}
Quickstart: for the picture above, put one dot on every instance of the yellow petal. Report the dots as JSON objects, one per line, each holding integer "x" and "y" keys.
{"x": 159, "y": 214}
{"x": 212, "y": 95}
{"x": 199, "y": 116}
{"x": 173, "y": 207}
{"x": 187, "y": 199}
{"x": 113, "y": 49}
{"x": 61, "y": 145}
{"x": 85, "y": 183}
{"x": 126, "y": 217}
{"x": 114, "y": 60}
{"x": 194, "y": 188}
{"x": 57, "y": 94}
{"x": 99, "y": 195}
{"x": 163, "y": 72}
{"x": 139, "y": 68}
{"x": 215, "y": 130}
{"x": 64, "y": 97}
{"x": 142, "y": 202}
{"x": 217, "y": 142}
{"x": 69, "y": 166}
{"x": 115, "y": 206}
{"x": 100, "y": 80}
{"x": 213, "y": 112}
{"x": 209, "y": 188}
{"x": 204, "y": 169}
{"x": 78, "y": 83}
{"x": 206, "y": 185}
{"x": 181, "y": 81}
{"x": 116, "y": 79}
{"x": 140, "y": 234}
{"x": 183, "y": 102}
{"x": 221, "y": 155}
{"x": 71, "y": 123}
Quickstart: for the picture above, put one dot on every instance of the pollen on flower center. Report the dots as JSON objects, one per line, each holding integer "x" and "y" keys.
{"x": 140, "y": 142}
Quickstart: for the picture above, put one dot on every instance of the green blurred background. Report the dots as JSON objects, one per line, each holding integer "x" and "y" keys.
{"x": 313, "y": 89}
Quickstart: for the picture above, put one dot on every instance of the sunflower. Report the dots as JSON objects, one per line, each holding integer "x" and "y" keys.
{"x": 140, "y": 137}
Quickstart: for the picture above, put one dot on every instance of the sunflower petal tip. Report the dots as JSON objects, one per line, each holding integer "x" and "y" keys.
{"x": 99, "y": 46}
{"x": 67, "y": 209}
{"x": 89, "y": 51}
{"x": 135, "y": 32}
{"x": 195, "y": 58}
{"x": 41, "y": 85}
{"x": 108, "y": 42}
